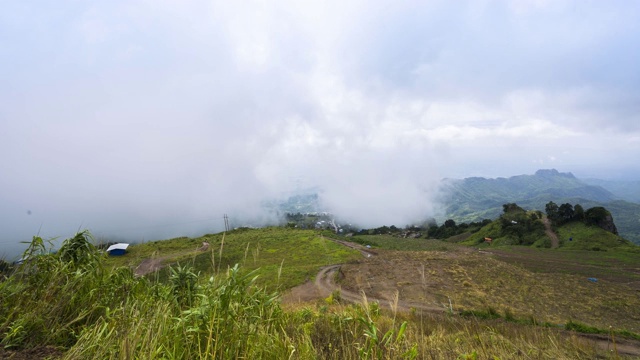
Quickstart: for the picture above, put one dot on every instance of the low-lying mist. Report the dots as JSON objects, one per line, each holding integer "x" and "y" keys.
{"x": 160, "y": 198}
{"x": 150, "y": 120}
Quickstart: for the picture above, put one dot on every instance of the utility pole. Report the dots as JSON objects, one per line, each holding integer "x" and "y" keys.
{"x": 226, "y": 223}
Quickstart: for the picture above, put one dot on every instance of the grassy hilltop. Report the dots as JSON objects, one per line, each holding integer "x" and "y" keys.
{"x": 405, "y": 298}
{"x": 474, "y": 199}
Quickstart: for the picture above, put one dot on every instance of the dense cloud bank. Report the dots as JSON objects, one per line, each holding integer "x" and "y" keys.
{"x": 153, "y": 119}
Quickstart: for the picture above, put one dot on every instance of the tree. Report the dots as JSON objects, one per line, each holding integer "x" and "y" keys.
{"x": 450, "y": 223}
{"x": 595, "y": 215}
{"x": 552, "y": 211}
{"x": 433, "y": 231}
{"x": 600, "y": 217}
{"x": 578, "y": 212}
{"x": 566, "y": 213}
{"x": 511, "y": 207}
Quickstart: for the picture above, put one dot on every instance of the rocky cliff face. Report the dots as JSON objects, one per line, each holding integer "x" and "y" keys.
{"x": 607, "y": 224}
{"x": 600, "y": 217}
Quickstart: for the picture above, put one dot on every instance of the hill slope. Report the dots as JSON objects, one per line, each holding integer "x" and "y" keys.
{"x": 473, "y": 199}
{"x": 623, "y": 190}
{"x": 529, "y": 230}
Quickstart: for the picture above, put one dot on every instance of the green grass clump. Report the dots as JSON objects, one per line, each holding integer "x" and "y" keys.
{"x": 591, "y": 238}
{"x": 51, "y": 297}
{"x": 586, "y": 329}
{"x": 489, "y": 313}
{"x": 225, "y": 317}
{"x": 282, "y": 257}
{"x": 389, "y": 242}
{"x": 492, "y": 230}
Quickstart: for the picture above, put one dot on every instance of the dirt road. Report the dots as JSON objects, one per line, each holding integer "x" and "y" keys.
{"x": 552, "y": 235}
{"x": 148, "y": 266}
{"x": 332, "y": 278}
{"x": 325, "y": 282}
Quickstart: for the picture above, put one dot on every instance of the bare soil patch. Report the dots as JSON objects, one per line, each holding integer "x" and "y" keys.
{"x": 37, "y": 353}
{"x": 148, "y": 266}
{"x": 469, "y": 279}
{"x": 581, "y": 263}
{"x": 418, "y": 279}
{"x": 305, "y": 293}
{"x": 614, "y": 346}
{"x": 552, "y": 235}
{"x": 399, "y": 279}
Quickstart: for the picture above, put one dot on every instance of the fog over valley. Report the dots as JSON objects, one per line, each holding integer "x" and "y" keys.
{"x": 146, "y": 120}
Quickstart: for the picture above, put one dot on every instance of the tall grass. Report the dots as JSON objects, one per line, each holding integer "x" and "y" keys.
{"x": 71, "y": 300}
{"x": 51, "y": 297}
{"x": 224, "y": 317}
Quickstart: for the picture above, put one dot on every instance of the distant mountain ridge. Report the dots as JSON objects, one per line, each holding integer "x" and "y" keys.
{"x": 623, "y": 190}
{"x": 477, "y": 198}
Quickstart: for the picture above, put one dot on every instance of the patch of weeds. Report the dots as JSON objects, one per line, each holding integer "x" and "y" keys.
{"x": 508, "y": 316}
{"x": 586, "y": 329}
{"x": 333, "y": 298}
{"x": 488, "y": 314}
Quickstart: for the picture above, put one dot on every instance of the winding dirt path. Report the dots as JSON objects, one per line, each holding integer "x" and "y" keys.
{"x": 148, "y": 266}
{"x": 621, "y": 347}
{"x": 552, "y": 235}
{"x": 325, "y": 282}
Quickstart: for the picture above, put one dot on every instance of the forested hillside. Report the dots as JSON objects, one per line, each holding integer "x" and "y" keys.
{"x": 474, "y": 199}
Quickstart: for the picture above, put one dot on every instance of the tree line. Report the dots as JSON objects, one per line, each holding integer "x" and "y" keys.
{"x": 565, "y": 213}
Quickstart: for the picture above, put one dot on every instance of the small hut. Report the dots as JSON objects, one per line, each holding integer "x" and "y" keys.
{"x": 117, "y": 249}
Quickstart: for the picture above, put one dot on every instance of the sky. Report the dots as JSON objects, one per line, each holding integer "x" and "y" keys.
{"x": 143, "y": 119}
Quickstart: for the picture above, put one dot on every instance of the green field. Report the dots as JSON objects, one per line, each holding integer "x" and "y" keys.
{"x": 281, "y": 257}
{"x": 591, "y": 238}
{"x": 80, "y": 304}
{"x": 389, "y": 242}
{"x": 614, "y": 266}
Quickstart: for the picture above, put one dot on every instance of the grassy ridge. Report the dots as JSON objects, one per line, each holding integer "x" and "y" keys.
{"x": 473, "y": 199}
{"x": 585, "y": 237}
{"x": 74, "y": 301}
{"x": 173, "y": 250}
{"x": 389, "y": 242}
{"x": 281, "y": 257}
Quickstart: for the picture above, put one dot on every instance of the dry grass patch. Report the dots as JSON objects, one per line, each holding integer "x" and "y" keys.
{"x": 476, "y": 281}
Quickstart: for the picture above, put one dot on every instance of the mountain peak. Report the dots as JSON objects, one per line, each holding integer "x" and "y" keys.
{"x": 554, "y": 173}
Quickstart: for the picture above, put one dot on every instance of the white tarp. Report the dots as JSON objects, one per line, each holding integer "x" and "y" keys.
{"x": 119, "y": 246}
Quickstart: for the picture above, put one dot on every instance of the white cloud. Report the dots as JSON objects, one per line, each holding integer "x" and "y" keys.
{"x": 173, "y": 110}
